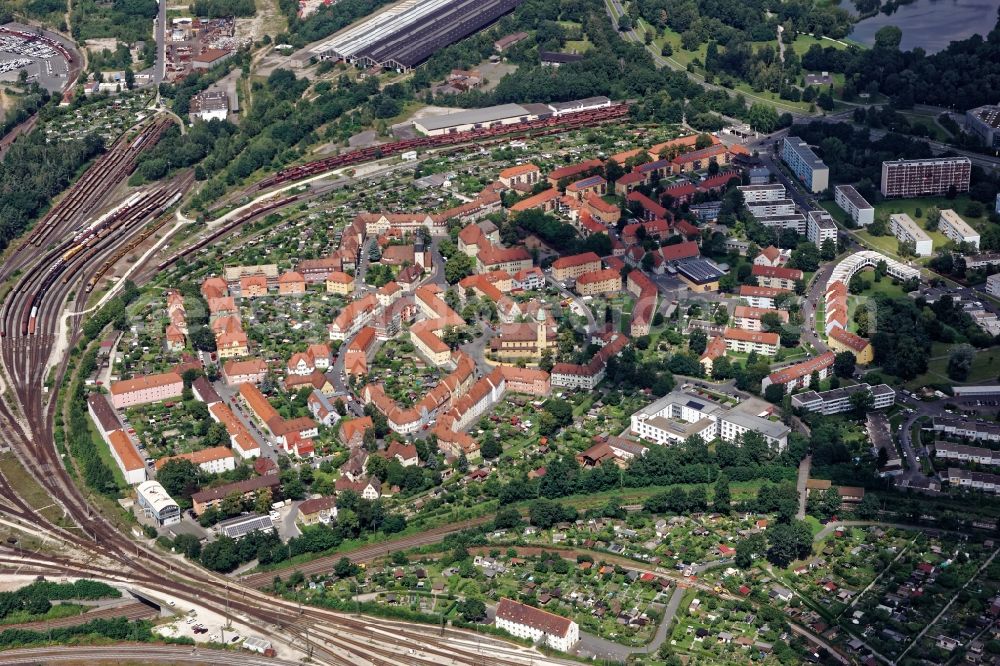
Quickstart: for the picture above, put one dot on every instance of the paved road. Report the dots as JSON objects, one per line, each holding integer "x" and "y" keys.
{"x": 160, "y": 68}
{"x": 801, "y": 485}
{"x": 601, "y": 648}
{"x": 580, "y": 303}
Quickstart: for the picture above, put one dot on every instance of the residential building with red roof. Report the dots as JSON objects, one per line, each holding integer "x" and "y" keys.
{"x": 599, "y": 282}
{"x": 799, "y": 375}
{"x": 536, "y": 625}
{"x": 146, "y": 389}
{"x": 573, "y": 266}
{"x": 841, "y": 339}
{"x": 777, "y": 277}
{"x": 746, "y": 342}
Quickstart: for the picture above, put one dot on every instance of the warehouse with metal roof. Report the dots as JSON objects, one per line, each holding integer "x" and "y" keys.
{"x": 404, "y": 35}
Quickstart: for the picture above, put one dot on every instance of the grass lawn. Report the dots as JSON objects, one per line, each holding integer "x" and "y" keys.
{"x": 802, "y": 43}
{"x": 814, "y": 525}
{"x": 985, "y": 367}
{"x": 910, "y": 206}
{"x": 579, "y": 46}
{"x": 30, "y": 491}
{"x": 104, "y": 451}
{"x": 681, "y": 58}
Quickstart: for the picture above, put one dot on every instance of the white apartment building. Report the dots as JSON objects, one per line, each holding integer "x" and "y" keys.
{"x": 838, "y": 400}
{"x": 537, "y": 625}
{"x": 820, "y": 227}
{"x": 746, "y": 342}
{"x": 771, "y": 208}
{"x": 796, "y": 221}
{"x": 759, "y": 193}
{"x": 993, "y": 285}
{"x": 957, "y": 229}
{"x": 735, "y": 424}
{"x": 905, "y": 229}
{"x": 855, "y": 205}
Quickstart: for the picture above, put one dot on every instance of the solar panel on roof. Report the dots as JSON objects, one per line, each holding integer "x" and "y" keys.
{"x": 240, "y": 527}
{"x": 695, "y": 405}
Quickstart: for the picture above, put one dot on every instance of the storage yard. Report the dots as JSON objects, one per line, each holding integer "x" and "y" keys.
{"x": 406, "y": 34}
{"x": 44, "y": 58}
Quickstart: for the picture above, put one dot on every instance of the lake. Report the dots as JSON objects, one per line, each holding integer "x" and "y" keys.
{"x": 931, "y": 24}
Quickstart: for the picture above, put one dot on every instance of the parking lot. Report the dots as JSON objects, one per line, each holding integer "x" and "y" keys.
{"x": 36, "y": 57}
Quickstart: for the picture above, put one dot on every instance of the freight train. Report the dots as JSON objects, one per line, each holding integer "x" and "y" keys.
{"x": 543, "y": 126}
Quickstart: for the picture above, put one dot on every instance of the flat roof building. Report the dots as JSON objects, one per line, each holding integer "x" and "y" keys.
{"x": 403, "y": 35}
{"x": 679, "y": 415}
{"x": 699, "y": 273}
{"x": 906, "y": 230}
{"x": 855, "y": 205}
{"x": 462, "y": 121}
{"x": 836, "y": 401}
{"x": 984, "y": 122}
{"x": 804, "y": 163}
{"x": 957, "y": 229}
{"x": 928, "y": 177}
{"x": 820, "y": 227}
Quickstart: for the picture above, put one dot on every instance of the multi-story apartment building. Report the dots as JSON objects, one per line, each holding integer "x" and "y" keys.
{"x": 993, "y": 285}
{"x": 599, "y": 282}
{"x": 957, "y": 229}
{"x": 836, "y": 401}
{"x": 905, "y": 229}
{"x": 523, "y": 621}
{"x": 794, "y": 221}
{"x": 759, "y": 193}
{"x": 354, "y": 317}
{"x": 127, "y": 457}
{"x": 820, "y": 227}
{"x": 804, "y": 163}
{"x": 749, "y": 318}
{"x": 799, "y": 375}
{"x": 738, "y": 340}
{"x": 855, "y": 205}
{"x": 572, "y": 267}
{"x": 777, "y": 277}
{"x": 214, "y": 460}
{"x": 981, "y": 481}
{"x": 680, "y": 415}
{"x": 771, "y": 208}
{"x": 146, "y": 389}
{"x": 984, "y": 122}
{"x": 760, "y": 297}
{"x": 929, "y": 177}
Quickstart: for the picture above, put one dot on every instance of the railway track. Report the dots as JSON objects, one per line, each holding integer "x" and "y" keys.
{"x": 543, "y": 127}
{"x": 26, "y": 424}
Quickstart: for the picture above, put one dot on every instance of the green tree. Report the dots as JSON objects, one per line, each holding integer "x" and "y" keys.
{"x": 960, "y": 362}
{"x": 460, "y": 265}
{"x": 788, "y": 542}
{"x": 751, "y": 546}
{"x": 179, "y": 477}
{"x": 762, "y": 117}
{"x": 844, "y": 364}
{"x": 471, "y": 610}
{"x": 722, "y": 497}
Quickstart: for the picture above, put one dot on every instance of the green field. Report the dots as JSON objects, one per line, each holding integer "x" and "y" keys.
{"x": 985, "y": 367}
{"x": 682, "y": 58}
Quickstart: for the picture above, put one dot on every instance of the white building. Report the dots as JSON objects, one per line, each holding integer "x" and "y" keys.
{"x": 820, "y": 227}
{"x": 758, "y": 193}
{"x": 993, "y": 285}
{"x": 966, "y": 454}
{"x": 957, "y": 229}
{"x": 982, "y": 481}
{"x": 838, "y": 400}
{"x": 855, "y": 205}
{"x": 967, "y": 428}
{"x": 209, "y": 105}
{"x": 679, "y": 415}
{"x": 905, "y": 229}
{"x": 794, "y": 221}
{"x": 771, "y": 208}
{"x": 154, "y": 501}
{"x": 523, "y": 621}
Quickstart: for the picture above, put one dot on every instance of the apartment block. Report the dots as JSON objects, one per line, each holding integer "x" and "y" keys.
{"x": 804, "y": 163}
{"x": 838, "y": 400}
{"x": 738, "y": 340}
{"x": 905, "y": 229}
{"x": 820, "y": 227}
{"x": 921, "y": 178}
{"x": 957, "y": 229}
{"x": 984, "y": 122}
{"x": 855, "y": 205}
{"x": 759, "y": 193}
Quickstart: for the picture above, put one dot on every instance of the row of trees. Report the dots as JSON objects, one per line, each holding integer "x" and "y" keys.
{"x": 36, "y": 598}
